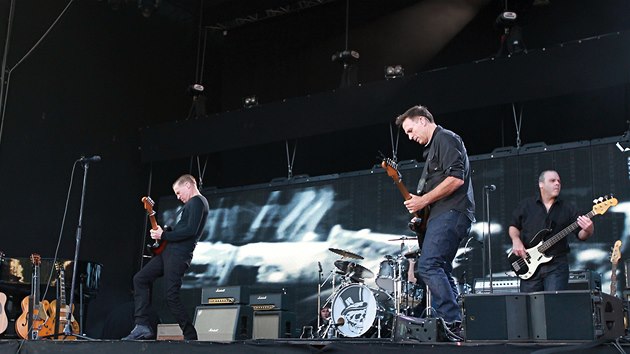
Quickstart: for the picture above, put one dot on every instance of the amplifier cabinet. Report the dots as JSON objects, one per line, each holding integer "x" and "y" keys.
{"x": 575, "y": 315}
{"x": 496, "y": 317}
{"x": 223, "y": 322}
{"x": 273, "y": 324}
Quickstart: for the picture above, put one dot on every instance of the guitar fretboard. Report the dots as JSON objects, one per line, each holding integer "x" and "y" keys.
{"x": 560, "y": 235}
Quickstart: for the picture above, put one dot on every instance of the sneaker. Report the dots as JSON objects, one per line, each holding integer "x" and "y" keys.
{"x": 140, "y": 332}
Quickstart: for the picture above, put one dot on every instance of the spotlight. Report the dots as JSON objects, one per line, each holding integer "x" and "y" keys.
{"x": 195, "y": 90}
{"x": 346, "y": 56}
{"x": 250, "y": 101}
{"x": 506, "y": 19}
{"x": 147, "y": 7}
{"x": 394, "y": 71}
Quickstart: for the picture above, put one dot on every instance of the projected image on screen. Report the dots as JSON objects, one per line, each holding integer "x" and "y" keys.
{"x": 283, "y": 234}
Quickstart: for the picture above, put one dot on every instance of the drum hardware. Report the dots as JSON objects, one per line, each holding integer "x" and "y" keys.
{"x": 353, "y": 271}
{"x": 404, "y": 238}
{"x": 344, "y": 253}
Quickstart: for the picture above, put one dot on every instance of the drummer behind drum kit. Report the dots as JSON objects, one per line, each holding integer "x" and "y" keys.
{"x": 358, "y": 310}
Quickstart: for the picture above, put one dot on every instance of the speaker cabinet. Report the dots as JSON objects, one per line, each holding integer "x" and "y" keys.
{"x": 496, "y": 317}
{"x": 223, "y": 322}
{"x": 273, "y": 324}
{"x": 575, "y": 315}
{"x": 422, "y": 329}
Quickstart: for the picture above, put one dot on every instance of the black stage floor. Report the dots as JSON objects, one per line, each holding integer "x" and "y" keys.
{"x": 297, "y": 346}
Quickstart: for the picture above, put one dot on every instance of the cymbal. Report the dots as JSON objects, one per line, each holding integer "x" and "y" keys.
{"x": 345, "y": 253}
{"x": 354, "y": 270}
{"x": 404, "y": 238}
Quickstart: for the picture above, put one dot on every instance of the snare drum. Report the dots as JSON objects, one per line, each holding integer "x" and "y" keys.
{"x": 390, "y": 270}
{"x": 359, "y": 308}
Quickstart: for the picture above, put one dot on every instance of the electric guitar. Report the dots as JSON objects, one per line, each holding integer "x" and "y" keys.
{"x": 614, "y": 259}
{"x": 34, "y": 321}
{"x": 525, "y": 267}
{"x": 158, "y": 246}
{"x": 419, "y": 225}
{"x": 61, "y": 320}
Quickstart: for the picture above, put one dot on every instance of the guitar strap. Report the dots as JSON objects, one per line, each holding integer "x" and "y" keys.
{"x": 425, "y": 171}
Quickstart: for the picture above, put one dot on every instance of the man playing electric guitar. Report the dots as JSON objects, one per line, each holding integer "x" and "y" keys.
{"x": 446, "y": 186}
{"x": 547, "y": 211}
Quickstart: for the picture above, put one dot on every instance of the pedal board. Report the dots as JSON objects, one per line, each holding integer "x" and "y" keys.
{"x": 421, "y": 329}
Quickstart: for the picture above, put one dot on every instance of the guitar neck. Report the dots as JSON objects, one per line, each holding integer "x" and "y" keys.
{"x": 613, "y": 280}
{"x": 405, "y": 193}
{"x": 560, "y": 235}
{"x": 154, "y": 225}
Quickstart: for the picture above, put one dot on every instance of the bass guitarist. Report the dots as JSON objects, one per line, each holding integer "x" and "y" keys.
{"x": 445, "y": 187}
{"x": 540, "y": 217}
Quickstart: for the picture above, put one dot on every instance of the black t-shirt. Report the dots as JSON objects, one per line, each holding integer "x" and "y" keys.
{"x": 447, "y": 156}
{"x": 531, "y": 216}
{"x": 189, "y": 228}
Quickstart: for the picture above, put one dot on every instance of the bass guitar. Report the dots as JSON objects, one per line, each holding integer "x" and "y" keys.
{"x": 34, "y": 321}
{"x": 158, "y": 246}
{"x": 614, "y": 259}
{"x": 525, "y": 267}
{"x": 419, "y": 224}
{"x": 60, "y": 320}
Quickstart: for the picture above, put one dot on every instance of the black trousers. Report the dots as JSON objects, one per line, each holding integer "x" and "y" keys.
{"x": 171, "y": 265}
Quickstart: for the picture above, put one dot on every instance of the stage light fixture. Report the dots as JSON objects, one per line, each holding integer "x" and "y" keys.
{"x": 195, "y": 90}
{"x": 346, "y": 56}
{"x": 250, "y": 101}
{"x": 148, "y": 7}
{"x": 394, "y": 71}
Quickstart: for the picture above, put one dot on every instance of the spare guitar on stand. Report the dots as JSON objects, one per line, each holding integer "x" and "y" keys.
{"x": 614, "y": 259}
{"x": 61, "y": 312}
{"x": 34, "y": 322}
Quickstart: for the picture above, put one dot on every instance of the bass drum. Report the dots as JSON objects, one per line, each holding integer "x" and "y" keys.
{"x": 360, "y": 308}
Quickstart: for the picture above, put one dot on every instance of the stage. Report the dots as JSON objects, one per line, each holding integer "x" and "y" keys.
{"x": 289, "y": 346}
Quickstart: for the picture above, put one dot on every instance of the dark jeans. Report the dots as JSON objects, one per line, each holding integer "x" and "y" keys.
{"x": 444, "y": 233}
{"x": 551, "y": 276}
{"x": 172, "y": 266}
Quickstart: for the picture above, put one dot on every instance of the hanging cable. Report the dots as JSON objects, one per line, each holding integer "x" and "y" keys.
{"x": 290, "y": 159}
{"x": 347, "y": 21}
{"x": 201, "y": 171}
{"x": 517, "y": 124}
{"x": 4, "y": 95}
{"x": 394, "y": 145}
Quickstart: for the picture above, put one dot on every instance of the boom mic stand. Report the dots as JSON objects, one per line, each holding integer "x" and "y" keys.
{"x": 85, "y": 162}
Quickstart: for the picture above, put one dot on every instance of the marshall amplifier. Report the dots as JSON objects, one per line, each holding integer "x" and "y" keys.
{"x": 225, "y": 295}
{"x": 223, "y": 322}
{"x": 270, "y": 301}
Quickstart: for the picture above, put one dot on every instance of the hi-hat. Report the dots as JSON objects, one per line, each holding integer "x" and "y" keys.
{"x": 354, "y": 270}
{"x": 404, "y": 238}
{"x": 345, "y": 253}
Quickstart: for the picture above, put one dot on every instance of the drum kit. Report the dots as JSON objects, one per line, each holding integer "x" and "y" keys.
{"x": 358, "y": 310}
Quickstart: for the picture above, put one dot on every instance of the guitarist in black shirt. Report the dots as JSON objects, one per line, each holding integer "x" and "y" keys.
{"x": 538, "y": 218}
{"x": 445, "y": 187}
{"x": 172, "y": 262}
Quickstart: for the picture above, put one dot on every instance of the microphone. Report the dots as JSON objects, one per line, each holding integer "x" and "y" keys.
{"x": 320, "y": 267}
{"x": 340, "y": 322}
{"x": 94, "y": 158}
{"x": 490, "y": 187}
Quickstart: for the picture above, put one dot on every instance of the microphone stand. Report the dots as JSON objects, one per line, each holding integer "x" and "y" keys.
{"x": 68, "y": 329}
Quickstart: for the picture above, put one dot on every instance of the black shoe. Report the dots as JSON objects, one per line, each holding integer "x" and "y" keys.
{"x": 140, "y": 332}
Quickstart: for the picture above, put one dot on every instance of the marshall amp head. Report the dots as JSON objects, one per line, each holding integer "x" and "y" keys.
{"x": 269, "y": 301}
{"x": 225, "y": 295}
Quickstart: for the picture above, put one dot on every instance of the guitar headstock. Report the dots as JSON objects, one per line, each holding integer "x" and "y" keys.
{"x": 602, "y": 204}
{"x": 148, "y": 205}
{"x": 616, "y": 253}
{"x": 36, "y": 259}
{"x": 391, "y": 168}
